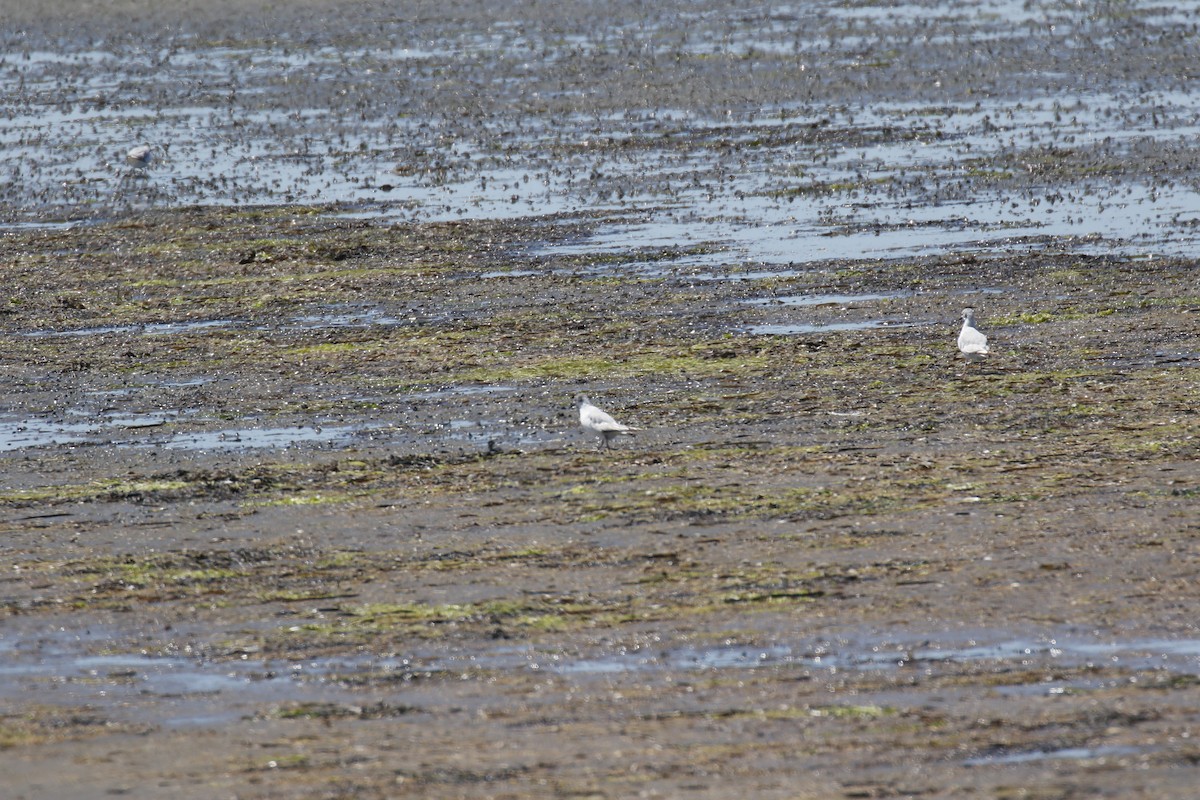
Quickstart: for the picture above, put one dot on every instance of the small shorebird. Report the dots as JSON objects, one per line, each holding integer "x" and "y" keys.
{"x": 140, "y": 157}
{"x": 971, "y": 343}
{"x": 597, "y": 421}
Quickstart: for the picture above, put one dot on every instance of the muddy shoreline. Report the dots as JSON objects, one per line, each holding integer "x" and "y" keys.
{"x": 295, "y": 503}
{"x": 846, "y": 557}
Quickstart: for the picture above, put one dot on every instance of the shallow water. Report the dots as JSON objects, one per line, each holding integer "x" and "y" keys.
{"x": 189, "y": 690}
{"x": 860, "y": 654}
{"x": 134, "y": 432}
{"x": 166, "y": 690}
{"x": 1066, "y": 753}
{"x": 15, "y": 435}
{"x": 802, "y": 327}
{"x": 327, "y": 319}
{"x": 777, "y": 177}
{"x": 824, "y": 299}
{"x": 253, "y": 438}
{"x": 188, "y": 430}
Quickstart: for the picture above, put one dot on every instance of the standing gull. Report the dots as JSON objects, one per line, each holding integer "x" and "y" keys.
{"x": 971, "y": 342}
{"x": 597, "y": 421}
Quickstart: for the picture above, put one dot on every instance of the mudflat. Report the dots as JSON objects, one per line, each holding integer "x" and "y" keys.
{"x": 295, "y": 502}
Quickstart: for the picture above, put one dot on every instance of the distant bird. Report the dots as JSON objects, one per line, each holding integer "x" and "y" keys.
{"x": 597, "y": 421}
{"x": 140, "y": 157}
{"x": 971, "y": 343}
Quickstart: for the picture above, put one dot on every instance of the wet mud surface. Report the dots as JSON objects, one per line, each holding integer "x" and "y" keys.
{"x": 295, "y": 503}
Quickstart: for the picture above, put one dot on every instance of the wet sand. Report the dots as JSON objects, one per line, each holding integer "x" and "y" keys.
{"x": 295, "y": 503}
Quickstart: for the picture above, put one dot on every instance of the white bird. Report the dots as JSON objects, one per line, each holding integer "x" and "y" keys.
{"x": 971, "y": 343}
{"x": 597, "y": 421}
{"x": 140, "y": 157}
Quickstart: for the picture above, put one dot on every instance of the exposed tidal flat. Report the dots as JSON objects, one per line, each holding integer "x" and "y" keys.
{"x": 295, "y": 503}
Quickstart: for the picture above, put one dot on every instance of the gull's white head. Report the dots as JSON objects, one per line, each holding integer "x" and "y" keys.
{"x": 968, "y": 316}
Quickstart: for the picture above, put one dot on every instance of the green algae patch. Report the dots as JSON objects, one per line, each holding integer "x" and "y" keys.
{"x": 39, "y": 725}
{"x": 331, "y": 711}
{"x": 518, "y": 613}
{"x": 746, "y": 501}
{"x": 113, "y": 489}
{"x": 263, "y": 484}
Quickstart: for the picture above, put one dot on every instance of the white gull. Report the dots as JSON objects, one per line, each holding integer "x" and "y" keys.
{"x": 971, "y": 343}
{"x": 597, "y": 421}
